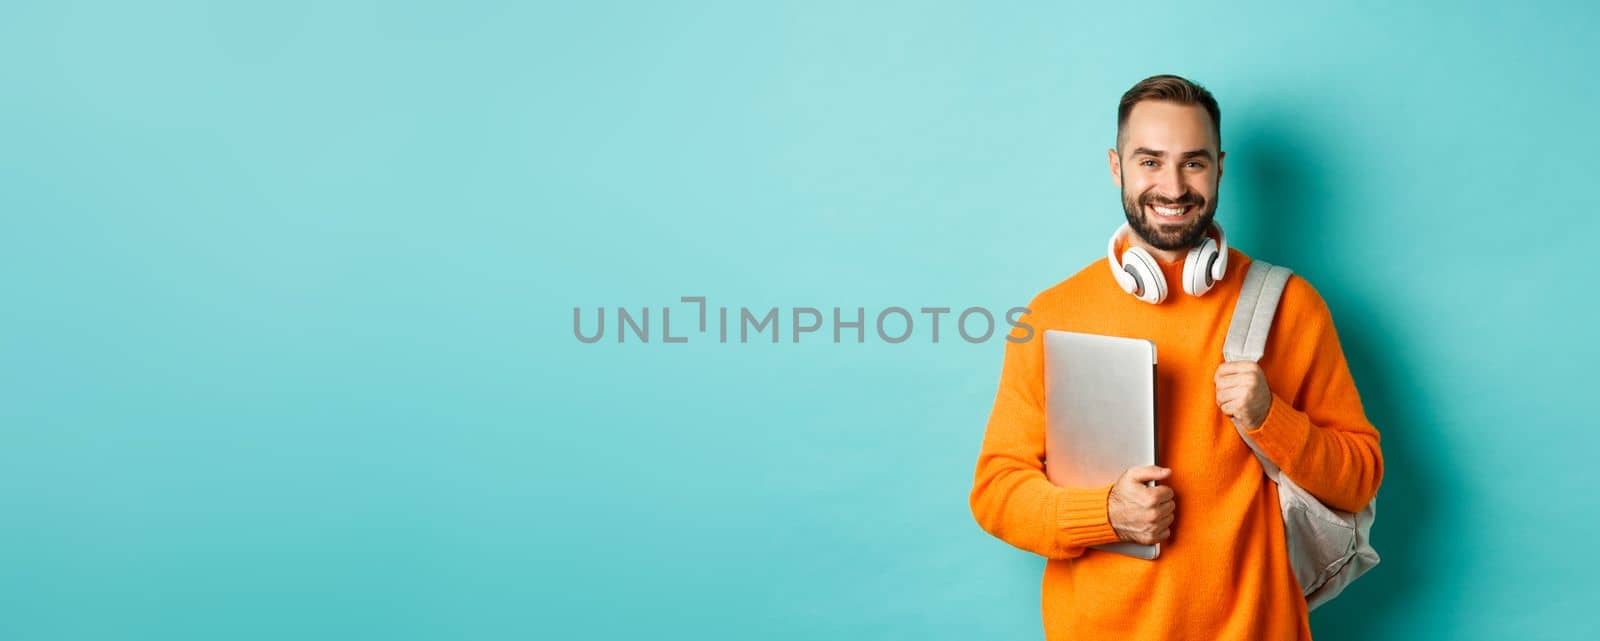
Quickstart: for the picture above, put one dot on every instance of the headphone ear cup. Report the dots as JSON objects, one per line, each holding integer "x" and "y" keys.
{"x": 1146, "y": 273}
{"x": 1219, "y": 267}
{"x": 1197, "y": 268}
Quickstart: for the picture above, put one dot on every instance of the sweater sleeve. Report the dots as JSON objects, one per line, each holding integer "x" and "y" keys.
{"x": 1011, "y": 498}
{"x": 1320, "y": 436}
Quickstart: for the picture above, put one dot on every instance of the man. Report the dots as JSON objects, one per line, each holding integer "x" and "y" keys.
{"x": 1223, "y": 572}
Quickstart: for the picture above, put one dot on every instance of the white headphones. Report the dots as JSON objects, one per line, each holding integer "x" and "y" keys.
{"x": 1139, "y": 274}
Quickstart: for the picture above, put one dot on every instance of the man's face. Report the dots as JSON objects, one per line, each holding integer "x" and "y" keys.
{"x": 1168, "y": 166}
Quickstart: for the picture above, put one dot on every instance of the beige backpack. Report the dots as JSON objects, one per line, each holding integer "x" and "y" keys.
{"x": 1328, "y": 548}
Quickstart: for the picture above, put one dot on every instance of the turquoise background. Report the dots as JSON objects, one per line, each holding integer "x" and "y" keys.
{"x": 288, "y": 287}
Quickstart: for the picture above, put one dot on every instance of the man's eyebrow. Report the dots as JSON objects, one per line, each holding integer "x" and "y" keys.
{"x": 1197, "y": 153}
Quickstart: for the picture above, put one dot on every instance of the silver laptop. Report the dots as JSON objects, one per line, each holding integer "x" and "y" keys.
{"x": 1100, "y": 400}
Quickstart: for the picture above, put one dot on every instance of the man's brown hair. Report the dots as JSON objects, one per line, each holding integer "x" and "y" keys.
{"x": 1173, "y": 89}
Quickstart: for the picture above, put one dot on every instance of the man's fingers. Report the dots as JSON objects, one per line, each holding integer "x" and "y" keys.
{"x": 1228, "y": 369}
{"x": 1236, "y": 373}
{"x": 1229, "y": 400}
{"x": 1236, "y": 380}
{"x": 1153, "y": 533}
{"x": 1160, "y": 498}
{"x": 1147, "y": 473}
{"x": 1238, "y": 366}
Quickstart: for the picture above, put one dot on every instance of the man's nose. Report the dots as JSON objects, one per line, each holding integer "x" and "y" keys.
{"x": 1169, "y": 184}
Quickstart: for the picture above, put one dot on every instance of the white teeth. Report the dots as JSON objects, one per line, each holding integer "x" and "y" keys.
{"x": 1165, "y": 211}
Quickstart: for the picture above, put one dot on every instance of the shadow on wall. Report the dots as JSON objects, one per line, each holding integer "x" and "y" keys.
{"x": 1286, "y": 186}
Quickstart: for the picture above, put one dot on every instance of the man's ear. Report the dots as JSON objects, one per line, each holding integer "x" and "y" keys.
{"x": 1116, "y": 167}
{"x": 1220, "y": 155}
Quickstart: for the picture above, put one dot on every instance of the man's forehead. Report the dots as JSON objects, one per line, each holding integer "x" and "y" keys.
{"x": 1168, "y": 126}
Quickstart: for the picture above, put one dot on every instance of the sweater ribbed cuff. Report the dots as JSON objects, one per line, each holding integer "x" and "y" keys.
{"x": 1282, "y": 434}
{"x": 1082, "y": 519}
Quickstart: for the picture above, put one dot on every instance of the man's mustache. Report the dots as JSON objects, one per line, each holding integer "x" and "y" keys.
{"x": 1187, "y": 199}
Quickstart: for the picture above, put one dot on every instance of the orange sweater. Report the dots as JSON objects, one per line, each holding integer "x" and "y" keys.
{"x": 1223, "y": 574}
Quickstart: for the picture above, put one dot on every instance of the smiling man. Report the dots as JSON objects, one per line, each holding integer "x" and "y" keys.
{"x": 1223, "y": 573}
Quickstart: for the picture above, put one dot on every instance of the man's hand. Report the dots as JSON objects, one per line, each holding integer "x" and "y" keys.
{"x": 1242, "y": 393}
{"x": 1139, "y": 513}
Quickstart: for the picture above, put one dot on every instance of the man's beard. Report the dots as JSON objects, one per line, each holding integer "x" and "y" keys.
{"x": 1168, "y": 236}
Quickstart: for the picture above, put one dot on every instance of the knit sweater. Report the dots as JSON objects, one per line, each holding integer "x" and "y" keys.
{"x": 1223, "y": 574}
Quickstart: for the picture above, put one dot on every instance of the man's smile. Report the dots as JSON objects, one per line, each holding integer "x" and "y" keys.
{"x": 1172, "y": 213}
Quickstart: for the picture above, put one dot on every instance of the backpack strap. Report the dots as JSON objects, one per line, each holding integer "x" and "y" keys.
{"x": 1252, "y": 322}
{"x": 1252, "y": 314}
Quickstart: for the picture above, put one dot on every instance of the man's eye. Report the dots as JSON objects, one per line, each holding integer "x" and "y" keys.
{"x": 1195, "y": 165}
{"x": 1147, "y": 162}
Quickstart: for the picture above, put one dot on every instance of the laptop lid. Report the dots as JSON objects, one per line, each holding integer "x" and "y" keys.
{"x": 1100, "y": 407}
